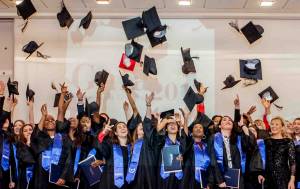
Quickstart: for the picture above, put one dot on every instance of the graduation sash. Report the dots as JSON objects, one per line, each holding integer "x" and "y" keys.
{"x": 218, "y": 147}
{"x": 202, "y": 160}
{"x": 16, "y": 159}
{"x": 92, "y": 152}
{"x": 164, "y": 175}
{"x": 134, "y": 161}
{"x": 5, "y": 155}
{"x": 118, "y": 165}
{"x": 52, "y": 154}
{"x": 77, "y": 158}
{"x": 262, "y": 151}
{"x": 29, "y": 173}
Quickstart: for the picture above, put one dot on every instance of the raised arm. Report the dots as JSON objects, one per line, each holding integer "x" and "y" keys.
{"x": 267, "y": 106}
{"x": 80, "y": 103}
{"x": 237, "y": 111}
{"x": 99, "y": 93}
{"x": 126, "y": 110}
{"x": 131, "y": 102}
{"x": 44, "y": 112}
{"x": 30, "y": 112}
{"x": 63, "y": 105}
{"x": 185, "y": 120}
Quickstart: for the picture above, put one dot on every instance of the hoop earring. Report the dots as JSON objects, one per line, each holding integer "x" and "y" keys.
{"x": 204, "y": 137}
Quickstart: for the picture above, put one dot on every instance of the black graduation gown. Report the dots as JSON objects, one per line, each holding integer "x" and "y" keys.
{"x": 235, "y": 156}
{"x": 170, "y": 182}
{"x": 40, "y": 141}
{"x": 105, "y": 150}
{"x": 25, "y": 159}
{"x": 297, "y": 149}
{"x": 144, "y": 177}
{"x": 189, "y": 181}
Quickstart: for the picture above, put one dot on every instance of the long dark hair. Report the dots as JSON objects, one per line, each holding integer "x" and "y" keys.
{"x": 114, "y": 137}
{"x": 22, "y": 137}
{"x": 234, "y": 131}
{"x": 78, "y": 135}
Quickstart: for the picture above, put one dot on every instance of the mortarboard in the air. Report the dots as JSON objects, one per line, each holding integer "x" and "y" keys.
{"x": 158, "y": 36}
{"x": 126, "y": 81}
{"x": 86, "y": 21}
{"x": 252, "y": 32}
{"x": 188, "y": 63}
{"x": 56, "y": 99}
{"x": 29, "y": 94}
{"x": 12, "y": 87}
{"x": 149, "y": 66}
{"x": 91, "y": 108}
{"x": 127, "y": 63}
{"x": 25, "y": 9}
{"x": 31, "y": 47}
{"x": 270, "y": 95}
{"x": 151, "y": 19}
{"x": 133, "y": 28}
{"x": 230, "y": 82}
{"x": 101, "y": 77}
{"x": 64, "y": 17}
{"x": 167, "y": 113}
{"x": 133, "y": 50}
{"x": 191, "y": 99}
{"x": 251, "y": 69}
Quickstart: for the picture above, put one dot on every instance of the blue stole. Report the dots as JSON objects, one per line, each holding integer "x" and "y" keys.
{"x": 77, "y": 158}
{"x": 16, "y": 159}
{"x": 262, "y": 151}
{"x": 202, "y": 160}
{"x": 29, "y": 173}
{"x": 5, "y": 155}
{"x": 134, "y": 160}
{"x": 92, "y": 152}
{"x": 164, "y": 175}
{"x": 218, "y": 147}
{"x": 118, "y": 165}
{"x": 52, "y": 154}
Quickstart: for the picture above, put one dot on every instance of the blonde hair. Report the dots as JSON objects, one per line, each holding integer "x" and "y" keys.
{"x": 283, "y": 131}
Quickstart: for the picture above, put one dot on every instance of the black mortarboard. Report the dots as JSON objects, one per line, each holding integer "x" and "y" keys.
{"x": 64, "y": 17}
{"x": 31, "y": 47}
{"x": 85, "y": 22}
{"x": 12, "y": 87}
{"x": 29, "y": 94}
{"x": 101, "y": 77}
{"x": 252, "y": 32}
{"x": 134, "y": 121}
{"x": 149, "y": 66}
{"x": 126, "y": 81}
{"x": 158, "y": 36}
{"x": 202, "y": 119}
{"x": 25, "y": 9}
{"x": 151, "y": 19}
{"x": 191, "y": 99}
{"x": 269, "y": 94}
{"x": 113, "y": 121}
{"x": 133, "y": 28}
{"x": 167, "y": 113}
{"x": 56, "y": 99}
{"x": 134, "y": 50}
{"x": 230, "y": 82}
{"x": 91, "y": 108}
{"x": 251, "y": 69}
{"x": 188, "y": 65}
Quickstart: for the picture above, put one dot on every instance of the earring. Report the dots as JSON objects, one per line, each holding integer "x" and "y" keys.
{"x": 204, "y": 137}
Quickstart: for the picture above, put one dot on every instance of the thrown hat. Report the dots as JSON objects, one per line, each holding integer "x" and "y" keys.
{"x": 86, "y": 21}
{"x": 230, "y": 82}
{"x": 25, "y": 9}
{"x": 252, "y": 32}
{"x": 191, "y": 99}
{"x": 149, "y": 66}
{"x": 29, "y": 94}
{"x": 133, "y": 28}
{"x": 101, "y": 77}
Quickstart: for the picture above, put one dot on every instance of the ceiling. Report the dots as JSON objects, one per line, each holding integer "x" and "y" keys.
{"x": 282, "y": 9}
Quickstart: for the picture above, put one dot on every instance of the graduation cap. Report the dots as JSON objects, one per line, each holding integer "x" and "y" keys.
{"x": 251, "y": 69}
{"x": 91, "y": 108}
{"x": 30, "y": 48}
{"x": 85, "y": 22}
{"x": 133, "y": 28}
{"x": 12, "y": 87}
{"x": 29, "y": 94}
{"x": 230, "y": 82}
{"x": 126, "y": 81}
{"x": 252, "y": 32}
{"x": 101, "y": 77}
{"x": 149, "y": 66}
{"x": 56, "y": 99}
{"x": 64, "y": 17}
{"x": 158, "y": 36}
{"x": 269, "y": 95}
{"x": 167, "y": 113}
{"x": 25, "y": 9}
{"x": 134, "y": 50}
{"x": 191, "y": 99}
{"x": 188, "y": 65}
{"x": 127, "y": 63}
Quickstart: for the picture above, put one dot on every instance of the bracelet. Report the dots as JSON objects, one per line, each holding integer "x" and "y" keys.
{"x": 148, "y": 105}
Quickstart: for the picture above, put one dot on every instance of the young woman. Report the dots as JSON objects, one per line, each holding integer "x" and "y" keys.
{"x": 226, "y": 150}
{"x": 280, "y": 167}
{"x": 25, "y": 158}
{"x": 116, "y": 152}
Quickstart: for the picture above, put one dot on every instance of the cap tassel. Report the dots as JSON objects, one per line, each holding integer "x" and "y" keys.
{"x": 278, "y": 107}
{"x": 39, "y": 54}
{"x": 249, "y": 82}
{"x": 24, "y": 26}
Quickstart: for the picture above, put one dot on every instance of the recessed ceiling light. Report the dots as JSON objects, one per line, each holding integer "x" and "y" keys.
{"x": 103, "y": 2}
{"x": 185, "y": 2}
{"x": 265, "y": 3}
{"x": 18, "y": 2}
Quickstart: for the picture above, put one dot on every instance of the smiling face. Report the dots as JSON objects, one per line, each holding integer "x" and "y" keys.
{"x": 27, "y": 131}
{"x": 73, "y": 123}
{"x": 297, "y": 127}
{"x": 198, "y": 131}
{"x": 121, "y": 130}
{"x": 289, "y": 127}
{"x": 276, "y": 126}
{"x": 226, "y": 123}
{"x": 86, "y": 124}
{"x": 50, "y": 123}
{"x": 17, "y": 126}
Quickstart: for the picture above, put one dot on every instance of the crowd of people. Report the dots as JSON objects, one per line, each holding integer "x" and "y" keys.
{"x": 265, "y": 150}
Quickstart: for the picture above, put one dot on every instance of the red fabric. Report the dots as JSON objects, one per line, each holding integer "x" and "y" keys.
{"x": 101, "y": 136}
{"x": 265, "y": 120}
{"x": 127, "y": 63}
{"x": 201, "y": 108}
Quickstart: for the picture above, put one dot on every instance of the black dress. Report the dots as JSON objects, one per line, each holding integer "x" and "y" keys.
{"x": 297, "y": 148}
{"x": 144, "y": 177}
{"x": 40, "y": 141}
{"x": 105, "y": 151}
{"x": 280, "y": 162}
{"x": 25, "y": 161}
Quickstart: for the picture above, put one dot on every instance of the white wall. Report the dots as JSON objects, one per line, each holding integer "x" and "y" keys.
{"x": 76, "y": 55}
